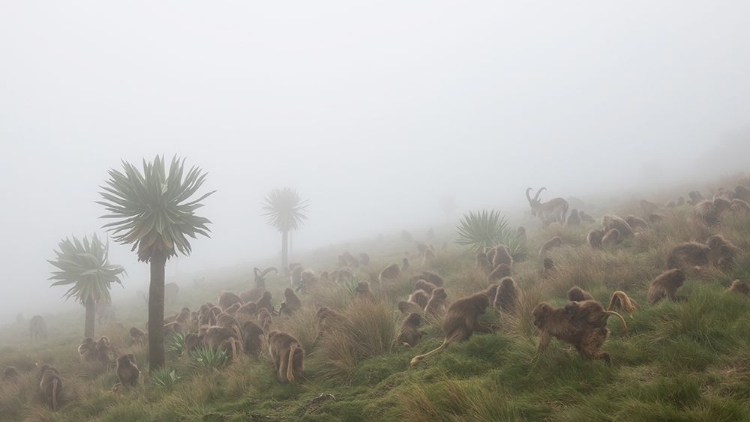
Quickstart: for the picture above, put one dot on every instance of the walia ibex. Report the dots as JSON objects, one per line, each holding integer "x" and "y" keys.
{"x": 554, "y": 210}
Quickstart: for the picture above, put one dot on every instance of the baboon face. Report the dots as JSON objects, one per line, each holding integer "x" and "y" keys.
{"x": 540, "y": 314}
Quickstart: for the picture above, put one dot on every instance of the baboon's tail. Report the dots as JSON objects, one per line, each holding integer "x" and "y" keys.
{"x": 419, "y": 358}
{"x": 626, "y": 303}
{"x": 290, "y": 364}
{"x": 54, "y": 393}
{"x": 624, "y": 325}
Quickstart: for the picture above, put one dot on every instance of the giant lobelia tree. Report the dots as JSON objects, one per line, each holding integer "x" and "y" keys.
{"x": 285, "y": 211}
{"x": 155, "y": 212}
{"x": 84, "y": 265}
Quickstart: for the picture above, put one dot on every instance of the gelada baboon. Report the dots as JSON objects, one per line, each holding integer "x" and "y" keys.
{"x": 420, "y": 297}
{"x": 223, "y": 338}
{"x": 582, "y": 324}
{"x": 655, "y": 218}
{"x": 585, "y": 218}
{"x": 390, "y": 273}
{"x": 404, "y": 264}
{"x": 296, "y": 277}
{"x": 291, "y": 302}
{"x": 739, "y": 287}
{"x": 610, "y": 222}
{"x": 721, "y": 252}
{"x": 622, "y": 302}
{"x": 364, "y": 259}
{"x": 483, "y": 262}
{"x": 577, "y": 294}
{"x": 611, "y": 238}
{"x": 252, "y": 338}
{"x": 264, "y": 319}
{"x": 429, "y": 255}
{"x": 425, "y": 285}
{"x": 409, "y": 333}
{"x": 710, "y": 211}
{"x": 37, "y": 328}
{"x": 594, "y": 239}
{"x": 435, "y": 308}
{"x": 648, "y": 207}
{"x": 363, "y": 292}
{"x": 460, "y": 322}
{"x": 406, "y": 307}
{"x": 265, "y": 302}
{"x": 10, "y": 373}
{"x": 665, "y": 285}
{"x": 127, "y": 370}
{"x": 636, "y": 223}
{"x": 521, "y": 235}
{"x": 688, "y": 254}
{"x": 193, "y": 342}
{"x": 740, "y": 206}
{"x": 288, "y": 356}
{"x": 137, "y": 336}
{"x": 227, "y": 299}
{"x": 555, "y": 242}
{"x": 50, "y": 385}
{"x": 574, "y": 219}
{"x": 328, "y": 320}
{"x": 499, "y": 273}
{"x": 508, "y": 296}
{"x": 87, "y": 350}
{"x": 502, "y": 256}
{"x": 549, "y": 267}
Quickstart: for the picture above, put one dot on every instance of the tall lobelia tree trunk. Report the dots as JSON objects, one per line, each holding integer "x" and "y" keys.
{"x": 88, "y": 326}
{"x": 156, "y": 312}
{"x": 285, "y": 251}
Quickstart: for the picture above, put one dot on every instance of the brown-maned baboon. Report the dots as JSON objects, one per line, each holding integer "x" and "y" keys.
{"x": 739, "y": 287}
{"x": 10, "y": 374}
{"x": 555, "y": 242}
{"x": 549, "y": 267}
{"x": 37, "y": 328}
{"x": 508, "y": 296}
{"x": 363, "y": 292}
{"x": 137, "y": 336}
{"x": 420, "y": 297}
{"x": 461, "y": 321}
{"x": 499, "y": 273}
{"x": 648, "y": 207}
{"x": 483, "y": 263}
{"x": 585, "y": 218}
{"x": 574, "y": 219}
{"x": 193, "y": 342}
{"x": 582, "y": 324}
{"x": 688, "y": 254}
{"x": 223, "y": 338}
{"x": 127, "y": 370}
{"x": 436, "y": 306}
{"x": 50, "y": 386}
{"x": 227, "y": 299}
{"x": 252, "y": 338}
{"x": 409, "y": 332}
{"x": 502, "y": 256}
{"x": 594, "y": 239}
{"x": 424, "y": 285}
{"x": 265, "y": 302}
{"x": 610, "y": 222}
{"x": 636, "y": 223}
{"x": 406, "y": 307}
{"x": 721, "y": 252}
{"x": 404, "y": 264}
{"x": 665, "y": 285}
{"x": 577, "y": 294}
{"x": 264, "y": 319}
{"x": 364, "y": 259}
{"x": 621, "y": 301}
{"x": 291, "y": 302}
{"x": 611, "y": 238}
{"x": 390, "y": 273}
{"x": 288, "y": 356}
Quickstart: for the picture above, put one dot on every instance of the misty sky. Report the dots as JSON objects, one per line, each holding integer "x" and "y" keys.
{"x": 372, "y": 111}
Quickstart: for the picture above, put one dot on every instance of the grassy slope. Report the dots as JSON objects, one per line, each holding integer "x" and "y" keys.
{"x": 680, "y": 361}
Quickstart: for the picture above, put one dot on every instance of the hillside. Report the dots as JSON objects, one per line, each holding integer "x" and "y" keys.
{"x": 686, "y": 360}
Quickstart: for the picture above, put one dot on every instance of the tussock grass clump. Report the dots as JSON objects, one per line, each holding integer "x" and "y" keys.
{"x": 369, "y": 331}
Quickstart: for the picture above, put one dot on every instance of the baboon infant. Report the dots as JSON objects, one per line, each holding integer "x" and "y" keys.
{"x": 127, "y": 371}
{"x": 460, "y": 322}
{"x": 409, "y": 333}
{"x": 288, "y": 356}
{"x": 665, "y": 285}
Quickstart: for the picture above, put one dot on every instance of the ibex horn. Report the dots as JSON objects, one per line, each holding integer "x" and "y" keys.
{"x": 527, "y": 194}
{"x": 539, "y": 192}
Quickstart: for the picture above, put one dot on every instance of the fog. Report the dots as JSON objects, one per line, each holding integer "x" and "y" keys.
{"x": 372, "y": 111}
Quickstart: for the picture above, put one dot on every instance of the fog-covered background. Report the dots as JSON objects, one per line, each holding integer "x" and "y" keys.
{"x": 373, "y": 112}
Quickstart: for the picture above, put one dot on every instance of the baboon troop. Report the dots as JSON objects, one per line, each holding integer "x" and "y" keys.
{"x": 390, "y": 273}
{"x": 50, "y": 386}
{"x": 577, "y": 294}
{"x": 721, "y": 252}
{"x": 581, "y": 324}
{"x": 409, "y": 333}
{"x": 710, "y": 211}
{"x": 127, "y": 371}
{"x": 460, "y": 322}
{"x": 636, "y": 223}
{"x": 288, "y": 356}
{"x": 225, "y": 339}
{"x": 665, "y": 286}
{"x": 37, "y": 328}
